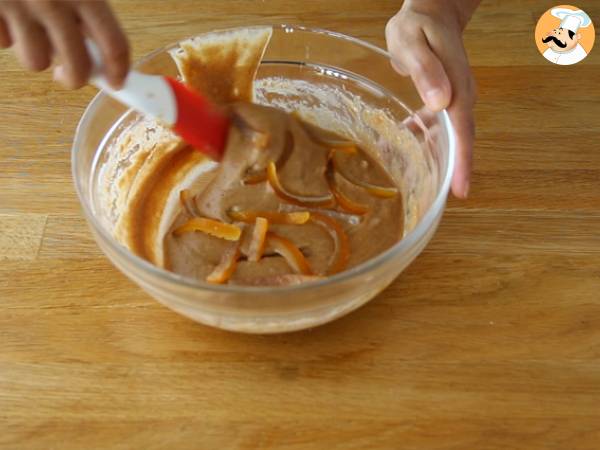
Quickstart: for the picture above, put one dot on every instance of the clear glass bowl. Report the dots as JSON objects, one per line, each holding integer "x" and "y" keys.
{"x": 342, "y": 83}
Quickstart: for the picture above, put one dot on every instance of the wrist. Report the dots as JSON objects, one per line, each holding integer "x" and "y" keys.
{"x": 459, "y": 11}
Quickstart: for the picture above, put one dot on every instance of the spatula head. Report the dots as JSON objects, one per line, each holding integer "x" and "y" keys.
{"x": 200, "y": 123}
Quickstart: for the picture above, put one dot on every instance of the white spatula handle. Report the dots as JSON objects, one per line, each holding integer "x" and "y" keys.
{"x": 148, "y": 94}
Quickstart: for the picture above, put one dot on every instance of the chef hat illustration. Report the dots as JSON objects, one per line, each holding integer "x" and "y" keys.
{"x": 571, "y": 20}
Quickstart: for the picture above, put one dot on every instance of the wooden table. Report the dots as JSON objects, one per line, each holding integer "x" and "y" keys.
{"x": 490, "y": 340}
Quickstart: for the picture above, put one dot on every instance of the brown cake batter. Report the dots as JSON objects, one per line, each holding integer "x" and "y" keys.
{"x": 338, "y": 232}
{"x": 288, "y": 203}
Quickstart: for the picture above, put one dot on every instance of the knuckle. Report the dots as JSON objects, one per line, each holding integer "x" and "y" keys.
{"x": 5, "y": 39}
{"x": 38, "y": 63}
{"x": 118, "y": 58}
{"x": 469, "y": 124}
{"x": 427, "y": 21}
{"x": 417, "y": 65}
{"x": 391, "y": 35}
{"x": 28, "y": 27}
{"x": 399, "y": 68}
{"x": 49, "y": 6}
{"x": 399, "y": 31}
{"x": 75, "y": 80}
{"x": 118, "y": 51}
{"x": 391, "y": 25}
{"x": 471, "y": 90}
{"x": 9, "y": 6}
{"x": 84, "y": 68}
{"x": 77, "y": 75}
{"x": 420, "y": 64}
{"x": 42, "y": 8}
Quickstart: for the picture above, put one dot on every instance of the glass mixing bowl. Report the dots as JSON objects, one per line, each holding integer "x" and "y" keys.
{"x": 338, "y": 82}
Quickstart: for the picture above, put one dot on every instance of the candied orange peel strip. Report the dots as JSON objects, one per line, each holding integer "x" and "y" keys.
{"x": 279, "y": 218}
{"x": 215, "y": 228}
{"x": 258, "y": 239}
{"x": 340, "y": 238}
{"x": 373, "y": 189}
{"x": 255, "y": 178}
{"x": 348, "y": 149}
{"x": 298, "y": 200}
{"x": 226, "y": 267}
{"x": 345, "y": 203}
{"x": 292, "y": 254}
{"x": 378, "y": 191}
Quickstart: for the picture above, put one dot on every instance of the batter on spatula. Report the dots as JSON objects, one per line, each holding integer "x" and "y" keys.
{"x": 289, "y": 203}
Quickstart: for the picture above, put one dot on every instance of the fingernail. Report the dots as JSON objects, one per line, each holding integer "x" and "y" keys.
{"x": 58, "y": 74}
{"x": 435, "y": 99}
{"x": 117, "y": 83}
{"x": 398, "y": 68}
{"x": 466, "y": 191}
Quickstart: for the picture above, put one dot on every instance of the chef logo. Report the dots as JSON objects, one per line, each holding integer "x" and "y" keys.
{"x": 564, "y": 35}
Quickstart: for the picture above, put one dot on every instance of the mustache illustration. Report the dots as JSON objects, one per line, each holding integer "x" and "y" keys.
{"x": 556, "y": 41}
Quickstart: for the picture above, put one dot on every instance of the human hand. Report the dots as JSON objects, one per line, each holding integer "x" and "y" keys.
{"x": 425, "y": 42}
{"x": 40, "y": 29}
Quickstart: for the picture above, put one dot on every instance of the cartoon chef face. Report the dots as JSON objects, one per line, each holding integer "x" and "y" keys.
{"x": 564, "y": 41}
{"x": 561, "y": 40}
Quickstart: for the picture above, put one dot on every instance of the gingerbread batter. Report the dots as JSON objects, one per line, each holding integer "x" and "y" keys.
{"x": 289, "y": 202}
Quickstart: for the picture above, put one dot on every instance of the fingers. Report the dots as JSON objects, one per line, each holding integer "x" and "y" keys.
{"x": 432, "y": 53}
{"x": 461, "y": 116}
{"x": 67, "y": 39}
{"x": 5, "y": 39}
{"x": 41, "y": 28}
{"x": 103, "y": 27}
{"x": 399, "y": 69}
{"x": 456, "y": 64}
{"x": 33, "y": 47}
{"x": 31, "y": 43}
{"x": 412, "y": 55}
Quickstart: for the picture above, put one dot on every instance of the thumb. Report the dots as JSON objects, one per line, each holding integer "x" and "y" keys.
{"x": 426, "y": 71}
{"x": 430, "y": 78}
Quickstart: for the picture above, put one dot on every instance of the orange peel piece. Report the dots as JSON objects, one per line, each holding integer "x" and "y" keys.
{"x": 255, "y": 178}
{"x": 279, "y": 218}
{"x": 378, "y": 191}
{"x": 345, "y": 203}
{"x": 348, "y": 149}
{"x": 258, "y": 239}
{"x": 298, "y": 200}
{"x": 212, "y": 227}
{"x": 340, "y": 238}
{"x": 226, "y": 267}
{"x": 373, "y": 189}
{"x": 292, "y": 254}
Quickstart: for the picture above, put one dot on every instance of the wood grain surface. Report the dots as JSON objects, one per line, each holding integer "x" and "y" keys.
{"x": 490, "y": 340}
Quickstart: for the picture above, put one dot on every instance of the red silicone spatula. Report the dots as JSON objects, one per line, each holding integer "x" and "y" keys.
{"x": 193, "y": 117}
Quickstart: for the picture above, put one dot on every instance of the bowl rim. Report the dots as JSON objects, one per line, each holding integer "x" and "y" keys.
{"x": 170, "y": 277}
